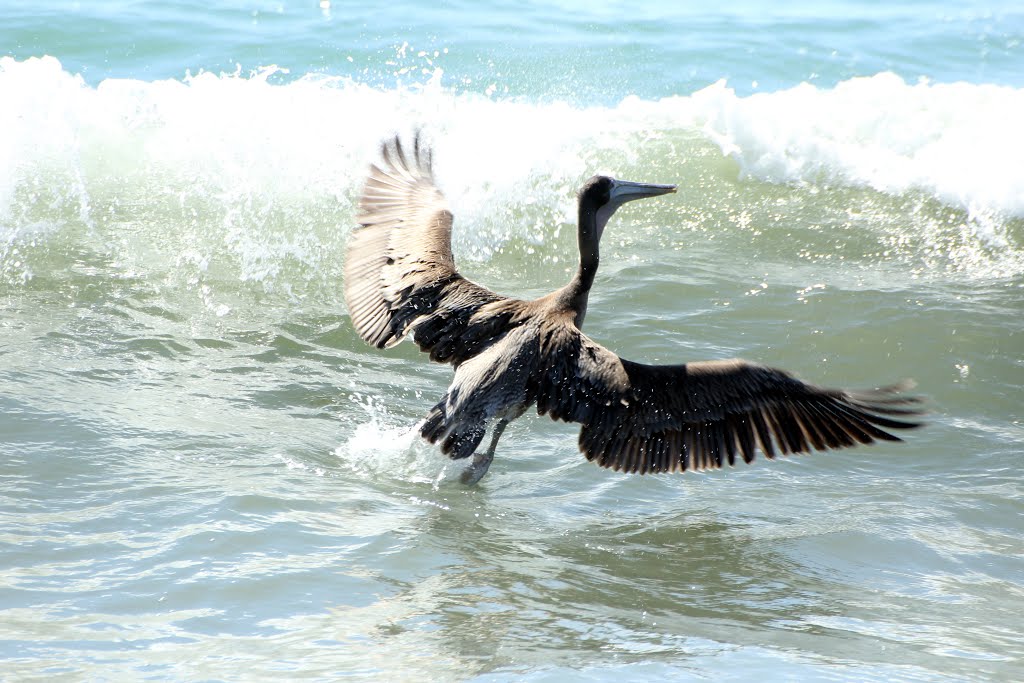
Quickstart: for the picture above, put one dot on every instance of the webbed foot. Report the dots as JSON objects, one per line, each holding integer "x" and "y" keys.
{"x": 477, "y": 469}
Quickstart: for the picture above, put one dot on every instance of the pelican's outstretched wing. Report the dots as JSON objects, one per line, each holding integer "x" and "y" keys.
{"x": 666, "y": 418}
{"x": 400, "y": 276}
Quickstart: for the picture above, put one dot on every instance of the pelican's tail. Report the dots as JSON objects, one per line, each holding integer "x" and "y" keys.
{"x": 457, "y": 443}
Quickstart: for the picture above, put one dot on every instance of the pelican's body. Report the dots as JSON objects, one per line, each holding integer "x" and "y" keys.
{"x": 510, "y": 354}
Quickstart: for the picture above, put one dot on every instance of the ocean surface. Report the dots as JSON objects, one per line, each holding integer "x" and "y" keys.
{"x": 206, "y": 475}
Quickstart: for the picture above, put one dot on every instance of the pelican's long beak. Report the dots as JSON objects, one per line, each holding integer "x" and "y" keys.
{"x": 624, "y": 191}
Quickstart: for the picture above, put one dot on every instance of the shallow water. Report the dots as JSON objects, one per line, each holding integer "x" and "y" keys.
{"x": 204, "y": 474}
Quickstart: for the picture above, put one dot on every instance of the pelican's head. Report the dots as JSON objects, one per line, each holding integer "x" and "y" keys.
{"x": 604, "y": 195}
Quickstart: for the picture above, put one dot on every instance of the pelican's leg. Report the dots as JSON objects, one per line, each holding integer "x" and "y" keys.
{"x": 482, "y": 461}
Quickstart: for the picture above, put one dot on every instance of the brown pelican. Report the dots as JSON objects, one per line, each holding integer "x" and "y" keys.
{"x": 509, "y": 354}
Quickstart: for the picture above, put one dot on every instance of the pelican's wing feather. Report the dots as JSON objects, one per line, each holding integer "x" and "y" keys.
{"x": 400, "y": 275}
{"x": 665, "y": 418}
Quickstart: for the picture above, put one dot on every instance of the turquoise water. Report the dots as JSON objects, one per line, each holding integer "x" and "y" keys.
{"x": 205, "y": 475}
{"x": 567, "y": 51}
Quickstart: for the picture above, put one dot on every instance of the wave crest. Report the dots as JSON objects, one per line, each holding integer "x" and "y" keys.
{"x": 250, "y": 178}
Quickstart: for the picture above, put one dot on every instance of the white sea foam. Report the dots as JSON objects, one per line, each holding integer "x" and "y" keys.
{"x": 959, "y": 142}
{"x": 253, "y": 175}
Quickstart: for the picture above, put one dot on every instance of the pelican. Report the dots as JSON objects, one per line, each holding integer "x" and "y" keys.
{"x": 510, "y": 354}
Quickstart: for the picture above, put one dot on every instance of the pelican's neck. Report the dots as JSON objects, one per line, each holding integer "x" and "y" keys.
{"x": 588, "y": 236}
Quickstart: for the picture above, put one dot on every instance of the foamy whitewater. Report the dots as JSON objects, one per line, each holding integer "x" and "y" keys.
{"x": 206, "y": 475}
{"x": 253, "y": 153}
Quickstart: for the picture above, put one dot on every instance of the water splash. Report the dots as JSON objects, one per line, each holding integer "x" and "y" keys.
{"x": 384, "y": 446}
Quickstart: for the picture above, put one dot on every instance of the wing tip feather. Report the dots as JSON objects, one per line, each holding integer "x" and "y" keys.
{"x": 803, "y": 421}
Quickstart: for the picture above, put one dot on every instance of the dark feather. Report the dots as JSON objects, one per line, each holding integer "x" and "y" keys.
{"x": 648, "y": 418}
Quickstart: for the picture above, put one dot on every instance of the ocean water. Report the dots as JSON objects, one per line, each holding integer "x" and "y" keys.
{"x": 206, "y": 475}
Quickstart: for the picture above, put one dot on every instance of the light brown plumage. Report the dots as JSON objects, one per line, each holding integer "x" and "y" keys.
{"x": 509, "y": 354}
